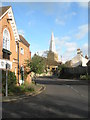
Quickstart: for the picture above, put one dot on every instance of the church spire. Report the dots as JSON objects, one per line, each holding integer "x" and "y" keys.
{"x": 52, "y": 43}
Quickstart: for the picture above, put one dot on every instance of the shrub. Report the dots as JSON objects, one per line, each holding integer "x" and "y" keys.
{"x": 85, "y": 77}
{"x": 29, "y": 87}
{"x": 11, "y": 81}
{"x": 16, "y": 90}
{"x": 13, "y": 89}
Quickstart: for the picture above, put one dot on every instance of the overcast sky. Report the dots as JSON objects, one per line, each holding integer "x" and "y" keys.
{"x": 68, "y": 22}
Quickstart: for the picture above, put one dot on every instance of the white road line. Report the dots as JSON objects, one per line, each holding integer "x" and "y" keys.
{"x": 76, "y": 91}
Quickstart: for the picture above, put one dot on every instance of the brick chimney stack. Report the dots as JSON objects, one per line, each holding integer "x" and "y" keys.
{"x": 78, "y": 51}
{"x": 86, "y": 56}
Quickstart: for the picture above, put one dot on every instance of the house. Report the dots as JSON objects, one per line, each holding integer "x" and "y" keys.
{"x": 79, "y": 59}
{"x": 14, "y": 49}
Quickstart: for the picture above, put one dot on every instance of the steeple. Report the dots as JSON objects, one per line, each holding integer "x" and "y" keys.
{"x": 52, "y": 44}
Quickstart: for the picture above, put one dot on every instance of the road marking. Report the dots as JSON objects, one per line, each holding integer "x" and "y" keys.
{"x": 69, "y": 86}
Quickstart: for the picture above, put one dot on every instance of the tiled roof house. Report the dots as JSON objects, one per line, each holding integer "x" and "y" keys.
{"x": 9, "y": 41}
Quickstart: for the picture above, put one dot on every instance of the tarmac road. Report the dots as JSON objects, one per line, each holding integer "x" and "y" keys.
{"x": 58, "y": 100}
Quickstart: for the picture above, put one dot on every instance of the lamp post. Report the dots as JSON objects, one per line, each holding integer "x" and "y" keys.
{"x": 18, "y": 61}
{"x": 7, "y": 67}
{"x": 6, "y": 80}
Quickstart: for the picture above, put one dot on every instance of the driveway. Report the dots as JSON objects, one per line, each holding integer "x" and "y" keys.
{"x": 60, "y": 99}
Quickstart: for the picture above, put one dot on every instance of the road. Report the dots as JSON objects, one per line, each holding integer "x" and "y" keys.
{"x": 60, "y": 99}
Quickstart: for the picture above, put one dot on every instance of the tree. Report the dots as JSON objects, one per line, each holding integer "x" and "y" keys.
{"x": 37, "y": 64}
{"x": 60, "y": 67}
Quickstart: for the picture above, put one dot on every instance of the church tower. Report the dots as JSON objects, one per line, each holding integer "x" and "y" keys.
{"x": 52, "y": 55}
{"x": 52, "y": 44}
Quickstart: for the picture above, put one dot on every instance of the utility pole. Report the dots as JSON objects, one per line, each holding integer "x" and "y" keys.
{"x": 7, "y": 66}
{"x": 6, "y": 81}
{"x": 6, "y": 76}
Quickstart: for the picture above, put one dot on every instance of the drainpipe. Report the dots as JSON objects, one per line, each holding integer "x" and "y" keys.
{"x": 18, "y": 62}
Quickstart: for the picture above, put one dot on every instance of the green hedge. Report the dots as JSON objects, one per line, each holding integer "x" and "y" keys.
{"x": 11, "y": 81}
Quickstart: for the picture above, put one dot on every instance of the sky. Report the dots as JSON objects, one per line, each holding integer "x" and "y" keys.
{"x": 68, "y": 21}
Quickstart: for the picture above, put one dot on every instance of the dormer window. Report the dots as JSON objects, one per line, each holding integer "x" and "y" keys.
{"x": 6, "y": 39}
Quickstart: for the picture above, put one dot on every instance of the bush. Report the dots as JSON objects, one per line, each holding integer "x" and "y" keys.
{"x": 85, "y": 77}
{"x": 29, "y": 87}
{"x": 60, "y": 67}
{"x": 13, "y": 89}
{"x": 11, "y": 81}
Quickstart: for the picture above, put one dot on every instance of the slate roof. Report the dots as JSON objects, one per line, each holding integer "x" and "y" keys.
{"x": 22, "y": 39}
{"x": 3, "y": 10}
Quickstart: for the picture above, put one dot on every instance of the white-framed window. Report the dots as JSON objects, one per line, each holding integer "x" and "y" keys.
{"x": 22, "y": 50}
{"x": 6, "y": 39}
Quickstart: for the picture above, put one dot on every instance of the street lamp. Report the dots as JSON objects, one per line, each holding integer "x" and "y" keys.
{"x": 18, "y": 61}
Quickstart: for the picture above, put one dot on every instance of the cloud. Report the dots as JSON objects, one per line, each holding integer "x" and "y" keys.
{"x": 65, "y": 38}
{"x": 0, "y": 4}
{"x": 62, "y": 40}
{"x": 21, "y": 32}
{"x": 59, "y": 21}
{"x": 85, "y": 48}
{"x": 42, "y": 53}
{"x": 65, "y": 47}
{"x": 70, "y": 15}
{"x": 83, "y": 4}
{"x": 70, "y": 51}
{"x": 68, "y": 55}
{"x": 82, "y": 31}
{"x": 71, "y": 46}
{"x": 32, "y": 54}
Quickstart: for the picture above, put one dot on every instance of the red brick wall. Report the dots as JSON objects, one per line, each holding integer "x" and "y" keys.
{"x": 13, "y": 57}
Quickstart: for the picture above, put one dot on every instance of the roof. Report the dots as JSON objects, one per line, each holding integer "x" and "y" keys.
{"x": 88, "y": 63}
{"x": 3, "y": 10}
{"x": 22, "y": 39}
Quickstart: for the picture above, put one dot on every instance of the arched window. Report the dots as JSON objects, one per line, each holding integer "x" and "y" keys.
{"x": 6, "y": 39}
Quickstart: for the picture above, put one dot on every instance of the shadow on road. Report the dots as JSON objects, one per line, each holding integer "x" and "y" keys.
{"x": 54, "y": 81}
{"x": 46, "y": 106}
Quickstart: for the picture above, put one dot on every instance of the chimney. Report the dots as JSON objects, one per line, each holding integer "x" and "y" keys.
{"x": 78, "y": 51}
{"x": 81, "y": 53}
{"x": 86, "y": 56}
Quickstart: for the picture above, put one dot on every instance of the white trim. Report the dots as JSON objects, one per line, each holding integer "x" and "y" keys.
{"x": 13, "y": 24}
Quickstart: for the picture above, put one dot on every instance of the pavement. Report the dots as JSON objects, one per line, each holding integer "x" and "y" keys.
{"x": 38, "y": 90}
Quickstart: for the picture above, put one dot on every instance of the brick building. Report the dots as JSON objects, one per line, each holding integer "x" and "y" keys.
{"x": 14, "y": 49}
